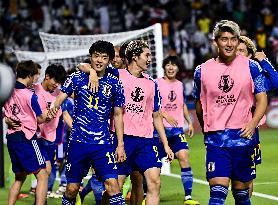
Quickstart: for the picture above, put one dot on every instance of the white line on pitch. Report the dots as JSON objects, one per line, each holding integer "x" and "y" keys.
{"x": 199, "y": 181}
{"x": 262, "y": 183}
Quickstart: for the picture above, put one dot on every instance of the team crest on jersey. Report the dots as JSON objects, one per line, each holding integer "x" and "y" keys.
{"x": 211, "y": 166}
{"x": 226, "y": 83}
{"x": 137, "y": 95}
{"x": 172, "y": 96}
{"x": 107, "y": 90}
{"x": 15, "y": 110}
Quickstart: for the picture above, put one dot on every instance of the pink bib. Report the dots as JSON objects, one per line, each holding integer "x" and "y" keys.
{"x": 226, "y": 94}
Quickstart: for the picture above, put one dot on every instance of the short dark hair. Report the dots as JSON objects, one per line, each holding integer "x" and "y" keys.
{"x": 25, "y": 69}
{"x": 57, "y": 72}
{"x": 103, "y": 47}
{"x": 173, "y": 60}
{"x": 122, "y": 49}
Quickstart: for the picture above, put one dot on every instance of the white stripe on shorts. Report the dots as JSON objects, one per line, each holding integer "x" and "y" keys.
{"x": 38, "y": 152}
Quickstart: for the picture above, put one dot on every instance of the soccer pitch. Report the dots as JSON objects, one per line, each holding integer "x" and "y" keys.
{"x": 265, "y": 186}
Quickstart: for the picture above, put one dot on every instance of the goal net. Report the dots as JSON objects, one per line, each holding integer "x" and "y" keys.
{"x": 69, "y": 50}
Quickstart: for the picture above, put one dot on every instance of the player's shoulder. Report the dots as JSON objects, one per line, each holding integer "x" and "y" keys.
{"x": 254, "y": 65}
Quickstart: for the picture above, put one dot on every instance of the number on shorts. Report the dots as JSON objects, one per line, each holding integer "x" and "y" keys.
{"x": 90, "y": 105}
{"x": 111, "y": 157}
{"x": 183, "y": 137}
{"x": 155, "y": 150}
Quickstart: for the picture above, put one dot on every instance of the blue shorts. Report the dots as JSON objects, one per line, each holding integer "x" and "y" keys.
{"x": 48, "y": 150}
{"x": 25, "y": 154}
{"x": 257, "y": 148}
{"x": 235, "y": 163}
{"x": 141, "y": 153}
{"x": 176, "y": 143}
{"x": 81, "y": 156}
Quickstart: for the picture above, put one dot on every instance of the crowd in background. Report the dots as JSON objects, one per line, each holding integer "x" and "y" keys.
{"x": 186, "y": 24}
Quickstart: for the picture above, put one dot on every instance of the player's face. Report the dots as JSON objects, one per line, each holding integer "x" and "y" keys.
{"x": 99, "y": 61}
{"x": 144, "y": 60}
{"x": 242, "y": 50}
{"x": 117, "y": 61}
{"x": 171, "y": 70}
{"x": 227, "y": 45}
{"x": 51, "y": 83}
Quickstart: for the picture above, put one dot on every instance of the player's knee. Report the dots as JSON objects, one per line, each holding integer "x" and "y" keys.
{"x": 153, "y": 184}
{"x": 72, "y": 190}
{"x": 112, "y": 186}
{"x": 41, "y": 175}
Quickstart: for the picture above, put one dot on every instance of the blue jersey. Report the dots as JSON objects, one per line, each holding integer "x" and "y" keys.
{"x": 270, "y": 74}
{"x": 230, "y": 137}
{"x": 92, "y": 111}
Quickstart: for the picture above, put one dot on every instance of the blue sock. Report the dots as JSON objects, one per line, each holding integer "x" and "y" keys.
{"x": 87, "y": 189}
{"x": 241, "y": 196}
{"x": 117, "y": 199}
{"x": 67, "y": 201}
{"x": 218, "y": 194}
{"x": 98, "y": 188}
{"x": 187, "y": 180}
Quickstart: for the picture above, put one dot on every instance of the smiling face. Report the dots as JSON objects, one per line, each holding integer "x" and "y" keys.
{"x": 143, "y": 61}
{"x": 99, "y": 62}
{"x": 242, "y": 50}
{"x": 50, "y": 83}
{"x": 227, "y": 46}
{"x": 171, "y": 70}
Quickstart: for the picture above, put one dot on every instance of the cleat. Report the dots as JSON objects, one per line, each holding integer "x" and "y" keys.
{"x": 22, "y": 196}
{"x": 191, "y": 202}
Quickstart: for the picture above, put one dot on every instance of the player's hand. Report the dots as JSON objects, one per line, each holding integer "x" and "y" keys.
{"x": 120, "y": 153}
{"x": 51, "y": 113}
{"x": 170, "y": 120}
{"x": 12, "y": 124}
{"x": 260, "y": 56}
{"x": 93, "y": 81}
{"x": 169, "y": 152}
{"x": 190, "y": 131}
{"x": 248, "y": 130}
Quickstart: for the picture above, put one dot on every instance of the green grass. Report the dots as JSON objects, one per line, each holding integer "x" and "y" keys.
{"x": 171, "y": 188}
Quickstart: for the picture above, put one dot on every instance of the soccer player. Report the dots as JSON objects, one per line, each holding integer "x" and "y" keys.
{"x": 224, "y": 89}
{"x": 142, "y": 111}
{"x": 118, "y": 61}
{"x": 141, "y": 115}
{"x": 174, "y": 112}
{"x": 90, "y": 142}
{"x": 47, "y": 92}
{"x": 25, "y": 154}
{"x": 248, "y": 49}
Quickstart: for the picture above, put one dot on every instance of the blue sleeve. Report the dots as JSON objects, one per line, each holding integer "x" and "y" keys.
{"x": 35, "y": 105}
{"x": 64, "y": 106}
{"x": 184, "y": 93}
{"x": 257, "y": 76}
{"x": 197, "y": 83}
{"x": 113, "y": 71}
{"x": 119, "y": 98}
{"x": 157, "y": 98}
{"x": 270, "y": 74}
{"x": 70, "y": 84}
